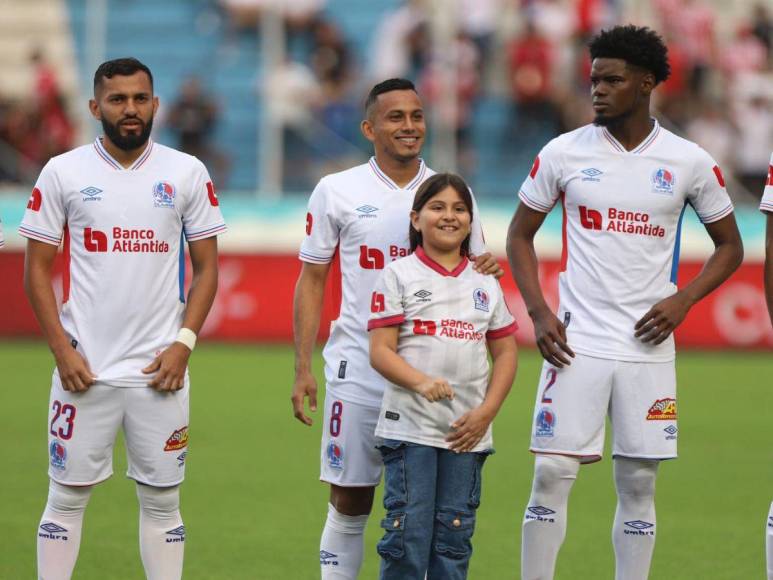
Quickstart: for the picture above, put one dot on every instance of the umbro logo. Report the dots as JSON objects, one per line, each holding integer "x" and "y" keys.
{"x": 639, "y": 525}
{"x": 423, "y": 295}
{"x": 539, "y": 510}
{"x": 591, "y": 174}
{"x": 328, "y": 558}
{"x": 91, "y": 193}
{"x": 367, "y": 211}
{"x": 178, "y": 535}
{"x": 671, "y": 429}
{"x": 52, "y": 531}
{"x": 52, "y": 528}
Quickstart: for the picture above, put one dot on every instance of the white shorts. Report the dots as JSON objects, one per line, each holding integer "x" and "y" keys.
{"x": 349, "y": 457}
{"x": 82, "y": 428}
{"x": 573, "y": 402}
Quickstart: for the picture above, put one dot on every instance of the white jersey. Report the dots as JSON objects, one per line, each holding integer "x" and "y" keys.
{"x": 622, "y": 219}
{"x": 123, "y": 233}
{"x": 445, "y": 319}
{"x": 766, "y": 204}
{"x": 364, "y": 216}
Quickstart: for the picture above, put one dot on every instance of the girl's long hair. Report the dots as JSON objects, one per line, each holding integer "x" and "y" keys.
{"x": 429, "y": 189}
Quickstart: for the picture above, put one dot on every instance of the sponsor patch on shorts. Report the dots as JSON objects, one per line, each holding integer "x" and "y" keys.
{"x": 177, "y": 440}
{"x": 662, "y": 410}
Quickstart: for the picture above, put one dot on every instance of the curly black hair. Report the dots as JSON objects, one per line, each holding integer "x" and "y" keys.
{"x": 637, "y": 45}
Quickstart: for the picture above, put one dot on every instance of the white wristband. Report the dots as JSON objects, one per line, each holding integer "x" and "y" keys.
{"x": 187, "y": 337}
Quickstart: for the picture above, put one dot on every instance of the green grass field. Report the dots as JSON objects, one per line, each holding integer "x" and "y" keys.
{"x": 254, "y": 509}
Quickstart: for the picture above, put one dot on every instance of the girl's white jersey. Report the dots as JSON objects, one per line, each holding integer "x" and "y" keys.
{"x": 767, "y": 196}
{"x": 123, "y": 233}
{"x": 622, "y": 218}
{"x": 364, "y": 216}
{"x": 445, "y": 319}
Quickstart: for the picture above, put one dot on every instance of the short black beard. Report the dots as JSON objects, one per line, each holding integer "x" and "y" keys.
{"x": 127, "y": 142}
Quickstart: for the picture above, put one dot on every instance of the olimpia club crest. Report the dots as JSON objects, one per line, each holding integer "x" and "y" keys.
{"x": 480, "y": 296}
{"x": 663, "y": 181}
{"x": 163, "y": 194}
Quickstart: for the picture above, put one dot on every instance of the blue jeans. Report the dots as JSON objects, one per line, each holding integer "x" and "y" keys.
{"x": 430, "y": 496}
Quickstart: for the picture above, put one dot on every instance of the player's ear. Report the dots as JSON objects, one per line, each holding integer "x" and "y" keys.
{"x": 155, "y": 105}
{"x": 366, "y": 127}
{"x": 647, "y": 83}
{"x": 94, "y": 109}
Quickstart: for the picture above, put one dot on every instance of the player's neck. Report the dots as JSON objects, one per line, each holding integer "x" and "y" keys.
{"x": 122, "y": 156}
{"x": 633, "y": 130}
{"x": 449, "y": 259}
{"x": 401, "y": 172}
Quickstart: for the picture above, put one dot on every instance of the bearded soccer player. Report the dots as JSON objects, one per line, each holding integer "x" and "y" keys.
{"x": 624, "y": 183}
{"x": 122, "y": 207}
{"x": 766, "y": 206}
{"x": 363, "y": 215}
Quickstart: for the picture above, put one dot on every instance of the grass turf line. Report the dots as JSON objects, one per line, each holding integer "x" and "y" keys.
{"x": 253, "y": 507}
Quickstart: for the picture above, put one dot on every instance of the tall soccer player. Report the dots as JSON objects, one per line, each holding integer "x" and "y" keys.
{"x": 122, "y": 207}
{"x": 362, "y": 214}
{"x": 766, "y": 206}
{"x": 624, "y": 183}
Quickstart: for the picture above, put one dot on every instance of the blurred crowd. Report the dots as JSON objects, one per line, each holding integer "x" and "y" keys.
{"x": 532, "y": 56}
{"x": 527, "y": 56}
{"x": 34, "y": 129}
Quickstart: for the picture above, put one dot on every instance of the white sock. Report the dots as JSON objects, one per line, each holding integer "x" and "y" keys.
{"x": 769, "y": 542}
{"x": 342, "y": 545}
{"x": 544, "y": 524}
{"x": 633, "y": 533}
{"x": 59, "y": 532}
{"x": 162, "y": 534}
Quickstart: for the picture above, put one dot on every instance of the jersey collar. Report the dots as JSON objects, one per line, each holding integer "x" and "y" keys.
{"x": 617, "y": 146}
{"x": 415, "y": 182}
{"x": 430, "y": 263}
{"x": 107, "y": 158}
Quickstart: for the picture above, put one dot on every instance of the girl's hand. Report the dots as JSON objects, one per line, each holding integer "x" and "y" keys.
{"x": 469, "y": 429}
{"x": 435, "y": 389}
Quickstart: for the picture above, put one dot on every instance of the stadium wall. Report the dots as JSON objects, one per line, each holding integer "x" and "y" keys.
{"x": 259, "y": 267}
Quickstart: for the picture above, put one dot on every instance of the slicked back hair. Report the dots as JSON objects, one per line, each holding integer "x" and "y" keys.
{"x": 429, "y": 189}
{"x": 122, "y": 67}
{"x": 386, "y": 87}
{"x": 636, "y": 45}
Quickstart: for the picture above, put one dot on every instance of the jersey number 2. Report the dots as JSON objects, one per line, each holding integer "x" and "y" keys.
{"x": 551, "y": 376}
{"x": 335, "y": 418}
{"x": 67, "y": 412}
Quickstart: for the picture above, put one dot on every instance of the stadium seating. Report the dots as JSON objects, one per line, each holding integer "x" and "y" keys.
{"x": 192, "y": 38}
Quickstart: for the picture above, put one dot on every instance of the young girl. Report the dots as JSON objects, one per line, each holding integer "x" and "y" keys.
{"x": 432, "y": 318}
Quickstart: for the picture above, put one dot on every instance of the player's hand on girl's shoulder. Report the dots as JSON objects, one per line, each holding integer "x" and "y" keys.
{"x": 435, "y": 389}
{"x": 469, "y": 429}
{"x": 169, "y": 367}
{"x": 487, "y": 264}
{"x": 550, "y": 335}
{"x": 74, "y": 371}
{"x": 305, "y": 385}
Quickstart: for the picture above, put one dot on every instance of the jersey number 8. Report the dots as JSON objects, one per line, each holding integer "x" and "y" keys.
{"x": 335, "y": 418}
